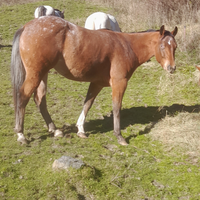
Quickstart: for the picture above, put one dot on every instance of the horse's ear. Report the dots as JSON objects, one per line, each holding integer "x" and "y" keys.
{"x": 63, "y": 12}
{"x": 175, "y": 31}
{"x": 162, "y": 30}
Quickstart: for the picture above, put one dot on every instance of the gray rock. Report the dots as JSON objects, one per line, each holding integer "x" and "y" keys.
{"x": 65, "y": 162}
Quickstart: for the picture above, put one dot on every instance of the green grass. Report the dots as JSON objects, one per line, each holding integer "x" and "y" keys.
{"x": 142, "y": 170}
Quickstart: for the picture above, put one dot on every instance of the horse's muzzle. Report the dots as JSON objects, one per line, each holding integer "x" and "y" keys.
{"x": 171, "y": 69}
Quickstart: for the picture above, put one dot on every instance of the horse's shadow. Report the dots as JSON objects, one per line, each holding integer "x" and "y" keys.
{"x": 148, "y": 116}
{"x": 136, "y": 115}
{"x": 2, "y": 46}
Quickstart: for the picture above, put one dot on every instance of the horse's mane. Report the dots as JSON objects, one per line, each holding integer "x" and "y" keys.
{"x": 149, "y": 30}
{"x": 167, "y": 33}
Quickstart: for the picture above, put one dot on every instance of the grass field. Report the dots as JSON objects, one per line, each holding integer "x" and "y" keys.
{"x": 159, "y": 119}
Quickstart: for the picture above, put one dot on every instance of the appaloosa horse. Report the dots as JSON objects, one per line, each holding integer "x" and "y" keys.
{"x": 102, "y": 57}
{"x": 100, "y": 20}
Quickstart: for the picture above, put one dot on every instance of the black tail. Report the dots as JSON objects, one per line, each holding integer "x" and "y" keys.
{"x": 17, "y": 68}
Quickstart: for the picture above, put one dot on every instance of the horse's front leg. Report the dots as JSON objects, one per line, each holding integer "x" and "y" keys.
{"x": 40, "y": 100}
{"x": 93, "y": 91}
{"x": 118, "y": 89}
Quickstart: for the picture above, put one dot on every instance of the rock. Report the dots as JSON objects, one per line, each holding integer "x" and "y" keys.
{"x": 65, "y": 162}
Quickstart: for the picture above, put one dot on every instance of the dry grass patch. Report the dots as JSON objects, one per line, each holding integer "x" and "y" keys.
{"x": 170, "y": 84}
{"x": 181, "y": 132}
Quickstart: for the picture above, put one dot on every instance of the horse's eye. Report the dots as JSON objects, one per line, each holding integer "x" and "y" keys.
{"x": 162, "y": 46}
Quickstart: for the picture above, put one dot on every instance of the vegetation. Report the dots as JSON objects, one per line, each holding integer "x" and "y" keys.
{"x": 160, "y": 119}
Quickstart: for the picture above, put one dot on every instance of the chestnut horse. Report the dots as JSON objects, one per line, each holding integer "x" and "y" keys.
{"x": 101, "y": 57}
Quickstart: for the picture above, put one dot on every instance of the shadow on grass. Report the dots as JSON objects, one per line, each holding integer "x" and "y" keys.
{"x": 41, "y": 138}
{"x": 139, "y": 115}
{"x": 135, "y": 115}
{"x": 2, "y": 46}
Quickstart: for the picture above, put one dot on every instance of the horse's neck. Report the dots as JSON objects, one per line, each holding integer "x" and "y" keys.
{"x": 144, "y": 44}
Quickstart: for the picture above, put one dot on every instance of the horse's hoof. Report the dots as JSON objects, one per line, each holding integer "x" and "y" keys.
{"x": 52, "y": 130}
{"x": 82, "y": 135}
{"x": 122, "y": 141}
{"x": 58, "y": 133}
{"x": 21, "y": 139}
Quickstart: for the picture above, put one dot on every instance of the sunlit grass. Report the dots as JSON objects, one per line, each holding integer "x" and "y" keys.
{"x": 146, "y": 169}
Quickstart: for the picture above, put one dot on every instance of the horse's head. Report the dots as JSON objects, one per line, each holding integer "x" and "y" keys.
{"x": 62, "y": 14}
{"x": 165, "y": 49}
{"x": 59, "y": 13}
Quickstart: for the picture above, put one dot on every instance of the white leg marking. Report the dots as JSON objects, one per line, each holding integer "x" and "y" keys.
{"x": 21, "y": 138}
{"x": 51, "y": 127}
{"x": 80, "y": 123}
{"x": 58, "y": 133}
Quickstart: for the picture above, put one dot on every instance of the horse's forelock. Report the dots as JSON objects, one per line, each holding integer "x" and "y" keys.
{"x": 167, "y": 33}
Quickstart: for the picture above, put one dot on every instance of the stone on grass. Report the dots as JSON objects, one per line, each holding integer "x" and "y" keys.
{"x": 65, "y": 162}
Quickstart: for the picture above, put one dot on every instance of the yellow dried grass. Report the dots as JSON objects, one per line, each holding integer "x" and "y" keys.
{"x": 180, "y": 132}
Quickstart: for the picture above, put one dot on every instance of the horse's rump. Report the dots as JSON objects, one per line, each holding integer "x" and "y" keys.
{"x": 100, "y": 20}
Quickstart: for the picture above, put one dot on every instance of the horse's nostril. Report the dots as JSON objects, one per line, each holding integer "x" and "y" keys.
{"x": 171, "y": 69}
{"x": 174, "y": 67}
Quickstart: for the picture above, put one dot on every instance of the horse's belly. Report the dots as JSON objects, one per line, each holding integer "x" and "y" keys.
{"x": 62, "y": 69}
{"x": 90, "y": 74}
{"x": 72, "y": 73}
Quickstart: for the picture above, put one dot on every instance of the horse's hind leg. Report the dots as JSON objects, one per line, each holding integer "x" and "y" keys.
{"x": 28, "y": 87}
{"x": 93, "y": 91}
{"x": 40, "y": 100}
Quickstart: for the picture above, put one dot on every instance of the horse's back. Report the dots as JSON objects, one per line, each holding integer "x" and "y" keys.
{"x": 98, "y": 20}
{"x": 89, "y": 23}
{"x": 51, "y": 32}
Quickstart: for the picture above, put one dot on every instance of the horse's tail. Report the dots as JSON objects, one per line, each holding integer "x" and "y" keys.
{"x": 18, "y": 72}
{"x": 41, "y": 11}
